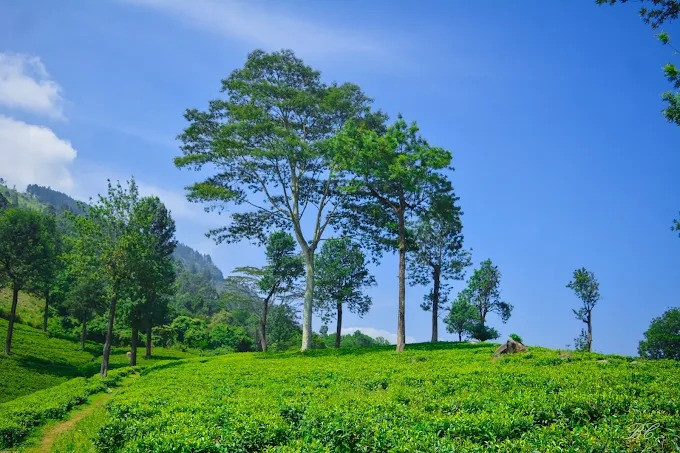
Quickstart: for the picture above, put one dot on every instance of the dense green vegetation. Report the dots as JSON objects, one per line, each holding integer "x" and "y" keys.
{"x": 446, "y": 397}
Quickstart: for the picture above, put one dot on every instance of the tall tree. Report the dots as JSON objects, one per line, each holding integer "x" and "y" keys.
{"x": 266, "y": 141}
{"x": 108, "y": 222}
{"x": 462, "y": 316}
{"x": 46, "y": 273}
{"x": 391, "y": 173}
{"x": 284, "y": 267}
{"x": 86, "y": 283}
{"x": 24, "y": 249}
{"x": 341, "y": 274}
{"x": 438, "y": 254}
{"x": 484, "y": 292}
{"x": 585, "y": 286}
{"x": 152, "y": 233}
{"x": 656, "y": 13}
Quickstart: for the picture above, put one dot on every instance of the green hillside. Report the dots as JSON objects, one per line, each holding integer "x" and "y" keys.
{"x": 444, "y": 397}
{"x": 29, "y": 308}
{"x": 39, "y": 361}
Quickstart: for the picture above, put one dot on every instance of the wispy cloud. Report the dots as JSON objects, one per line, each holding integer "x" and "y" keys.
{"x": 261, "y": 24}
{"x": 26, "y": 85}
{"x": 375, "y": 333}
{"x": 34, "y": 154}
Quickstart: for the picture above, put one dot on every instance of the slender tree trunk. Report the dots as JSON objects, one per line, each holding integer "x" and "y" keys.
{"x": 460, "y": 336}
{"x": 12, "y": 315}
{"x": 47, "y": 307}
{"x": 133, "y": 346}
{"x": 435, "y": 304}
{"x": 83, "y": 335}
{"x": 109, "y": 337}
{"x": 401, "y": 317}
{"x": 590, "y": 331}
{"x": 263, "y": 325}
{"x": 338, "y": 327}
{"x": 309, "y": 298}
{"x": 147, "y": 355}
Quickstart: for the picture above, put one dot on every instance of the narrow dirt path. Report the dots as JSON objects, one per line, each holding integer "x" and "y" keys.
{"x": 54, "y": 431}
{"x": 98, "y": 400}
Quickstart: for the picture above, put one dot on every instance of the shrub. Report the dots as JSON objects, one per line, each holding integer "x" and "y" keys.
{"x": 231, "y": 337}
{"x": 516, "y": 337}
{"x": 483, "y": 333}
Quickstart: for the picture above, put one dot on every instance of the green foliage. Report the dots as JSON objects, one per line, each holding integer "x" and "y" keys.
{"x": 516, "y": 337}
{"x": 662, "y": 11}
{"x": 341, "y": 274}
{"x": 585, "y": 286}
{"x": 20, "y": 416}
{"x": 266, "y": 140}
{"x": 483, "y": 292}
{"x": 480, "y": 332}
{"x": 233, "y": 338}
{"x": 662, "y": 339}
{"x": 462, "y": 316}
{"x": 439, "y": 397}
{"x": 357, "y": 339}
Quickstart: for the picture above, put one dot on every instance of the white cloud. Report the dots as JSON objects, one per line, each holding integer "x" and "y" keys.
{"x": 34, "y": 154}
{"x": 26, "y": 85}
{"x": 375, "y": 333}
{"x": 175, "y": 201}
{"x": 259, "y": 24}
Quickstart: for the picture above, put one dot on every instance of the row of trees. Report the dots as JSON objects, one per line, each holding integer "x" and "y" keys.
{"x": 117, "y": 252}
{"x": 307, "y": 158}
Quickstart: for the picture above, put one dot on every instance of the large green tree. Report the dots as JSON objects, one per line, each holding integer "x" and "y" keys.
{"x": 392, "y": 173}
{"x": 25, "y": 237}
{"x": 483, "y": 292}
{"x": 662, "y": 339}
{"x": 265, "y": 139}
{"x": 280, "y": 275}
{"x": 109, "y": 222}
{"x": 585, "y": 286}
{"x": 438, "y": 254}
{"x": 341, "y": 275}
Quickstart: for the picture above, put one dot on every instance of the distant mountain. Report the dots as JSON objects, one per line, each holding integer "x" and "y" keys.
{"x": 198, "y": 263}
{"x": 58, "y": 200}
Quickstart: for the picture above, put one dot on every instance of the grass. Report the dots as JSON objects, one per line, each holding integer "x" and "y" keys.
{"x": 39, "y": 361}
{"x": 444, "y": 397}
{"x": 29, "y": 307}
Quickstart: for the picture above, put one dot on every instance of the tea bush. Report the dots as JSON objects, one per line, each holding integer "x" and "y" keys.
{"x": 443, "y": 397}
{"x": 21, "y": 415}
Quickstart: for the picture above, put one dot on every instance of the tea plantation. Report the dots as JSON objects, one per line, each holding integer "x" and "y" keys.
{"x": 443, "y": 397}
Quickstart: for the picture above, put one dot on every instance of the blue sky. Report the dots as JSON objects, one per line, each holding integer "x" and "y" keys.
{"x": 551, "y": 111}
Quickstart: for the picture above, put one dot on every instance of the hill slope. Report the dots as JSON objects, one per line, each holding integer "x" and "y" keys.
{"x": 444, "y": 397}
{"x": 39, "y": 361}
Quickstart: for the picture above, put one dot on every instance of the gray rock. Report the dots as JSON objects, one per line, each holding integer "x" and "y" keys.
{"x": 511, "y": 347}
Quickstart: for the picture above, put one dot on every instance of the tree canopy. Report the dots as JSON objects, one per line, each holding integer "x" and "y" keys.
{"x": 266, "y": 141}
